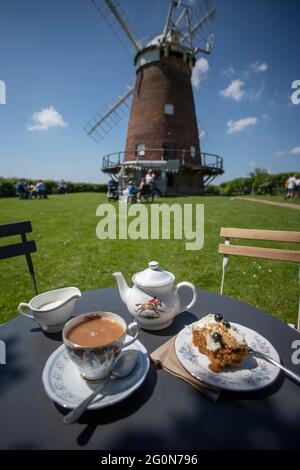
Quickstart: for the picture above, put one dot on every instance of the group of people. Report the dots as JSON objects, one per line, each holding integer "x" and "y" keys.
{"x": 26, "y": 190}
{"x": 145, "y": 190}
{"x": 292, "y": 186}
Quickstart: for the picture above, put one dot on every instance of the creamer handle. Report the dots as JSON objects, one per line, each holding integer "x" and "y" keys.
{"x": 25, "y": 314}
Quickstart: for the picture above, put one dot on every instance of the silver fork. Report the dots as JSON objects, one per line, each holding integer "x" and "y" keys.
{"x": 289, "y": 373}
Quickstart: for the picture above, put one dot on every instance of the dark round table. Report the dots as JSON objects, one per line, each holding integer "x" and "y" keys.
{"x": 165, "y": 412}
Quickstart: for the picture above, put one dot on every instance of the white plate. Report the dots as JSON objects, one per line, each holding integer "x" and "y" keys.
{"x": 64, "y": 384}
{"x": 253, "y": 374}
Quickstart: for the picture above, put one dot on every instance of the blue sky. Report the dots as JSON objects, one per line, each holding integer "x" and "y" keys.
{"x": 61, "y": 55}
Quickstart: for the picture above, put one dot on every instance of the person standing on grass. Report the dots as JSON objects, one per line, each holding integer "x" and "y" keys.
{"x": 20, "y": 189}
{"x": 141, "y": 190}
{"x": 62, "y": 187}
{"x": 131, "y": 192}
{"x": 150, "y": 182}
{"x": 291, "y": 187}
{"x": 41, "y": 189}
{"x": 298, "y": 186}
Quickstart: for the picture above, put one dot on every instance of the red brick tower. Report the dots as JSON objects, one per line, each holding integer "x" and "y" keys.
{"x": 163, "y": 122}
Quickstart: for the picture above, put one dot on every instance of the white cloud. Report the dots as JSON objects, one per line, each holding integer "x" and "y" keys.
{"x": 237, "y": 126}
{"x": 295, "y": 151}
{"x": 266, "y": 117}
{"x": 292, "y": 151}
{"x": 45, "y": 119}
{"x": 200, "y": 71}
{"x": 229, "y": 72}
{"x": 234, "y": 90}
{"x": 260, "y": 66}
{"x": 255, "y": 95}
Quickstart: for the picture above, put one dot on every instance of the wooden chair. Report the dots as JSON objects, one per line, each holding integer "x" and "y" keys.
{"x": 227, "y": 248}
{"x": 19, "y": 249}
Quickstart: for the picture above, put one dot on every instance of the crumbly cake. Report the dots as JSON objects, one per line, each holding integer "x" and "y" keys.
{"x": 221, "y": 342}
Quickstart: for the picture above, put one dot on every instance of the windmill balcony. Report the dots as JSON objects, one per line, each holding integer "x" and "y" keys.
{"x": 168, "y": 159}
{"x": 177, "y": 171}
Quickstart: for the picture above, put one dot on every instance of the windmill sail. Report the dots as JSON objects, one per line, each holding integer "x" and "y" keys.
{"x": 203, "y": 15}
{"x": 104, "y": 121}
{"x": 115, "y": 18}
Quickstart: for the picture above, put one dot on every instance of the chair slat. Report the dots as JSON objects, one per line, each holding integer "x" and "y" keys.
{"x": 17, "y": 228}
{"x": 268, "y": 235}
{"x": 258, "y": 252}
{"x": 17, "y": 249}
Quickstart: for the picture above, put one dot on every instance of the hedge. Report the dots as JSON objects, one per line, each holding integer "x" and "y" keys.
{"x": 259, "y": 182}
{"x": 8, "y": 186}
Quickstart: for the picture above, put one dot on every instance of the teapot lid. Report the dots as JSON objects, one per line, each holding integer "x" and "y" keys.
{"x": 153, "y": 276}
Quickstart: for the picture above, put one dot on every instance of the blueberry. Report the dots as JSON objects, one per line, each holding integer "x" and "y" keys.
{"x": 218, "y": 317}
{"x": 226, "y": 324}
{"x": 217, "y": 337}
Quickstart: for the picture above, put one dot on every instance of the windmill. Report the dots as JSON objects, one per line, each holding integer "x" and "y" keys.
{"x": 163, "y": 133}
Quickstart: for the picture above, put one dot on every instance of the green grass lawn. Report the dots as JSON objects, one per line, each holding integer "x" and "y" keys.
{"x": 69, "y": 253}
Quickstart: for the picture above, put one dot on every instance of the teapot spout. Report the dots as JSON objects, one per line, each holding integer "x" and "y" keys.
{"x": 123, "y": 287}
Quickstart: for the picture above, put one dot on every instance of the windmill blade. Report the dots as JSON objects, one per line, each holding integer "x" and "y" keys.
{"x": 104, "y": 121}
{"x": 201, "y": 130}
{"x": 200, "y": 23}
{"x": 172, "y": 5}
{"x": 115, "y": 18}
{"x": 177, "y": 20}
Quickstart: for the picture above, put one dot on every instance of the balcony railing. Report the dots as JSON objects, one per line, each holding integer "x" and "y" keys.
{"x": 204, "y": 160}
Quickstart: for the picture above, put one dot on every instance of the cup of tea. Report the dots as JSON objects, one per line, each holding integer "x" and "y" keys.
{"x": 51, "y": 309}
{"x": 94, "y": 340}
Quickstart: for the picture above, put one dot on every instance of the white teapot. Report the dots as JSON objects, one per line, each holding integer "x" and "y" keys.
{"x": 153, "y": 300}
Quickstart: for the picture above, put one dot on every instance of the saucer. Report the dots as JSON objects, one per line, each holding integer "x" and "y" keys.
{"x": 64, "y": 384}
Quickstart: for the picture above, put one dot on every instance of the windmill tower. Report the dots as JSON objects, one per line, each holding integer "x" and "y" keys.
{"x": 163, "y": 131}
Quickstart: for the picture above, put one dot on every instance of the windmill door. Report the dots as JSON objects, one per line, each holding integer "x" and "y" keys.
{"x": 169, "y": 150}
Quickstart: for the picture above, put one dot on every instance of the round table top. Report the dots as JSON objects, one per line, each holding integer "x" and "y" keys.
{"x": 165, "y": 412}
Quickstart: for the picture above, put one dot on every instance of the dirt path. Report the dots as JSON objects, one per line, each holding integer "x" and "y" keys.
{"x": 271, "y": 203}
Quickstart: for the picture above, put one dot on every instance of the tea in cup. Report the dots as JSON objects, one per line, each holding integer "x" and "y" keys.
{"x": 94, "y": 340}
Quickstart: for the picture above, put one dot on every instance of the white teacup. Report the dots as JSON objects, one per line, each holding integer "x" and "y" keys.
{"x": 96, "y": 362}
{"x": 51, "y": 309}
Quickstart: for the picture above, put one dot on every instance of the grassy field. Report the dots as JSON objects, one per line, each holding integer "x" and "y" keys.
{"x": 69, "y": 253}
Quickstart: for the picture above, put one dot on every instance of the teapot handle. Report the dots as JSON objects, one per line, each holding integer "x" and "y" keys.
{"x": 193, "y": 288}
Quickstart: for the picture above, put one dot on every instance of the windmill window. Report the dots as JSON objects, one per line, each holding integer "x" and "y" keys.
{"x": 193, "y": 151}
{"x": 169, "y": 109}
{"x": 140, "y": 150}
